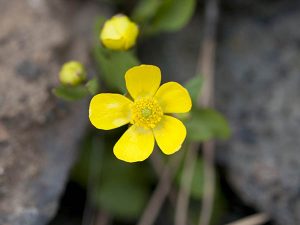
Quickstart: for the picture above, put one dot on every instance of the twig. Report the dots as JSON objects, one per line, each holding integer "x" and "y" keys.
{"x": 158, "y": 165}
{"x": 206, "y": 63}
{"x": 256, "y": 219}
{"x": 205, "y": 68}
{"x": 103, "y": 218}
{"x": 161, "y": 192}
{"x": 207, "y": 99}
{"x": 185, "y": 185}
{"x": 209, "y": 183}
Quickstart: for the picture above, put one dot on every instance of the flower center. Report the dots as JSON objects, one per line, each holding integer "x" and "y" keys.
{"x": 146, "y": 112}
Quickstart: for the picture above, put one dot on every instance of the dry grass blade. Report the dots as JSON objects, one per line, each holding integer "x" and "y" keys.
{"x": 256, "y": 219}
{"x": 163, "y": 188}
{"x": 181, "y": 212}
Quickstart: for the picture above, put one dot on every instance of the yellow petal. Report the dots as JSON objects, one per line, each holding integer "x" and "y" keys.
{"x": 136, "y": 144}
{"x": 173, "y": 98}
{"x": 131, "y": 35}
{"x": 109, "y": 111}
{"x": 169, "y": 134}
{"x": 114, "y": 44}
{"x": 143, "y": 80}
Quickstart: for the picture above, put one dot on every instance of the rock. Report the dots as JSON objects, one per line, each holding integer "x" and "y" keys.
{"x": 257, "y": 87}
{"x": 39, "y": 134}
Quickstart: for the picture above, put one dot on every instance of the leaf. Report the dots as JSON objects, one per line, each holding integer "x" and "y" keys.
{"x": 198, "y": 180}
{"x": 136, "y": 173}
{"x": 113, "y": 65}
{"x": 145, "y": 10}
{"x": 70, "y": 93}
{"x": 121, "y": 198}
{"x": 194, "y": 86}
{"x": 124, "y": 188}
{"x": 97, "y": 27}
{"x": 87, "y": 164}
{"x": 93, "y": 86}
{"x": 173, "y": 15}
{"x": 206, "y": 124}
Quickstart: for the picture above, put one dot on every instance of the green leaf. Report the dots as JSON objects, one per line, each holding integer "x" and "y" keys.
{"x": 198, "y": 180}
{"x": 206, "y": 124}
{"x": 87, "y": 164}
{"x": 145, "y": 10}
{"x": 70, "y": 93}
{"x": 113, "y": 65}
{"x": 93, "y": 86}
{"x": 173, "y": 15}
{"x": 123, "y": 199}
{"x": 123, "y": 188}
{"x": 97, "y": 27}
{"x": 194, "y": 86}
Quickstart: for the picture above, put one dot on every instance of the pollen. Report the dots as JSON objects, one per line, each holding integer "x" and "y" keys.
{"x": 146, "y": 112}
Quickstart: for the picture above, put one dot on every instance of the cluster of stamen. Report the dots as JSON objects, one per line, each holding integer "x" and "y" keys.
{"x": 146, "y": 112}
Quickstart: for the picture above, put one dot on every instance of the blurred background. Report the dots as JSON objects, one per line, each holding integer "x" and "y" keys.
{"x": 56, "y": 169}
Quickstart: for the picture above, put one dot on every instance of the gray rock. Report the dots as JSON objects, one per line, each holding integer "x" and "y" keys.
{"x": 257, "y": 85}
{"x": 39, "y": 134}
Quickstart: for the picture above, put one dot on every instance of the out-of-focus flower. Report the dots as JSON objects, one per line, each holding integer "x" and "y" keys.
{"x": 147, "y": 110}
{"x": 72, "y": 73}
{"x": 119, "y": 33}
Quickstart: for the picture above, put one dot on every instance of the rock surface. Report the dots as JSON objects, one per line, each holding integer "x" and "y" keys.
{"x": 39, "y": 134}
{"x": 258, "y": 80}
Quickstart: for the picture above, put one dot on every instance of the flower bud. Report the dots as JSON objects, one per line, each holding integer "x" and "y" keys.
{"x": 72, "y": 73}
{"x": 119, "y": 33}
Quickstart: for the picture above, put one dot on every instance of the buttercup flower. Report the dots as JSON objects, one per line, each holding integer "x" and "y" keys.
{"x": 119, "y": 33}
{"x": 72, "y": 73}
{"x": 147, "y": 110}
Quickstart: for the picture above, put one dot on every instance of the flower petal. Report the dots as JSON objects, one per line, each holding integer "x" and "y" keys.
{"x": 169, "y": 134}
{"x": 142, "y": 80}
{"x": 173, "y": 98}
{"x": 131, "y": 35}
{"x": 136, "y": 144}
{"x": 115, "y": 44}
{"x": 109, "y": 111}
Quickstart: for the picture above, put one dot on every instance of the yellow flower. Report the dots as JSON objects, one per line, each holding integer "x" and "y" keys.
{"x": 119, "y": 33}
{"x": 148, "y": 111}
{"x": 72, "y": 73}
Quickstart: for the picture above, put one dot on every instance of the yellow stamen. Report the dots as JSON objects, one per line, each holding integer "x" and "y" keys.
{"x": 146, "y": 112}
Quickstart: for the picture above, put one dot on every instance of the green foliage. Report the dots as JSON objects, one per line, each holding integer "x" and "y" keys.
{"x": 145, "y": 10}
{"x": 113, "y": 65}
{"x": 194, "y": 86}
{"x": 197, "y": 180}
{"x": 123, "y": 189}
{"x": 125, "y": 200}
{"x": 71, "y": 93}
{"x": 120, "y": 188}
{"x": 93, "y": 86}
{"x": 173, "y": 15}
{"x": 167, "y": 15}
{"x": 206, "y": 124}
{"x": 88, "y": 161}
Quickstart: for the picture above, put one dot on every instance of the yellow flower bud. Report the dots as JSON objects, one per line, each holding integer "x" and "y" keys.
{"x": 119, "y": 33}
{"x": 72, "y": 73}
